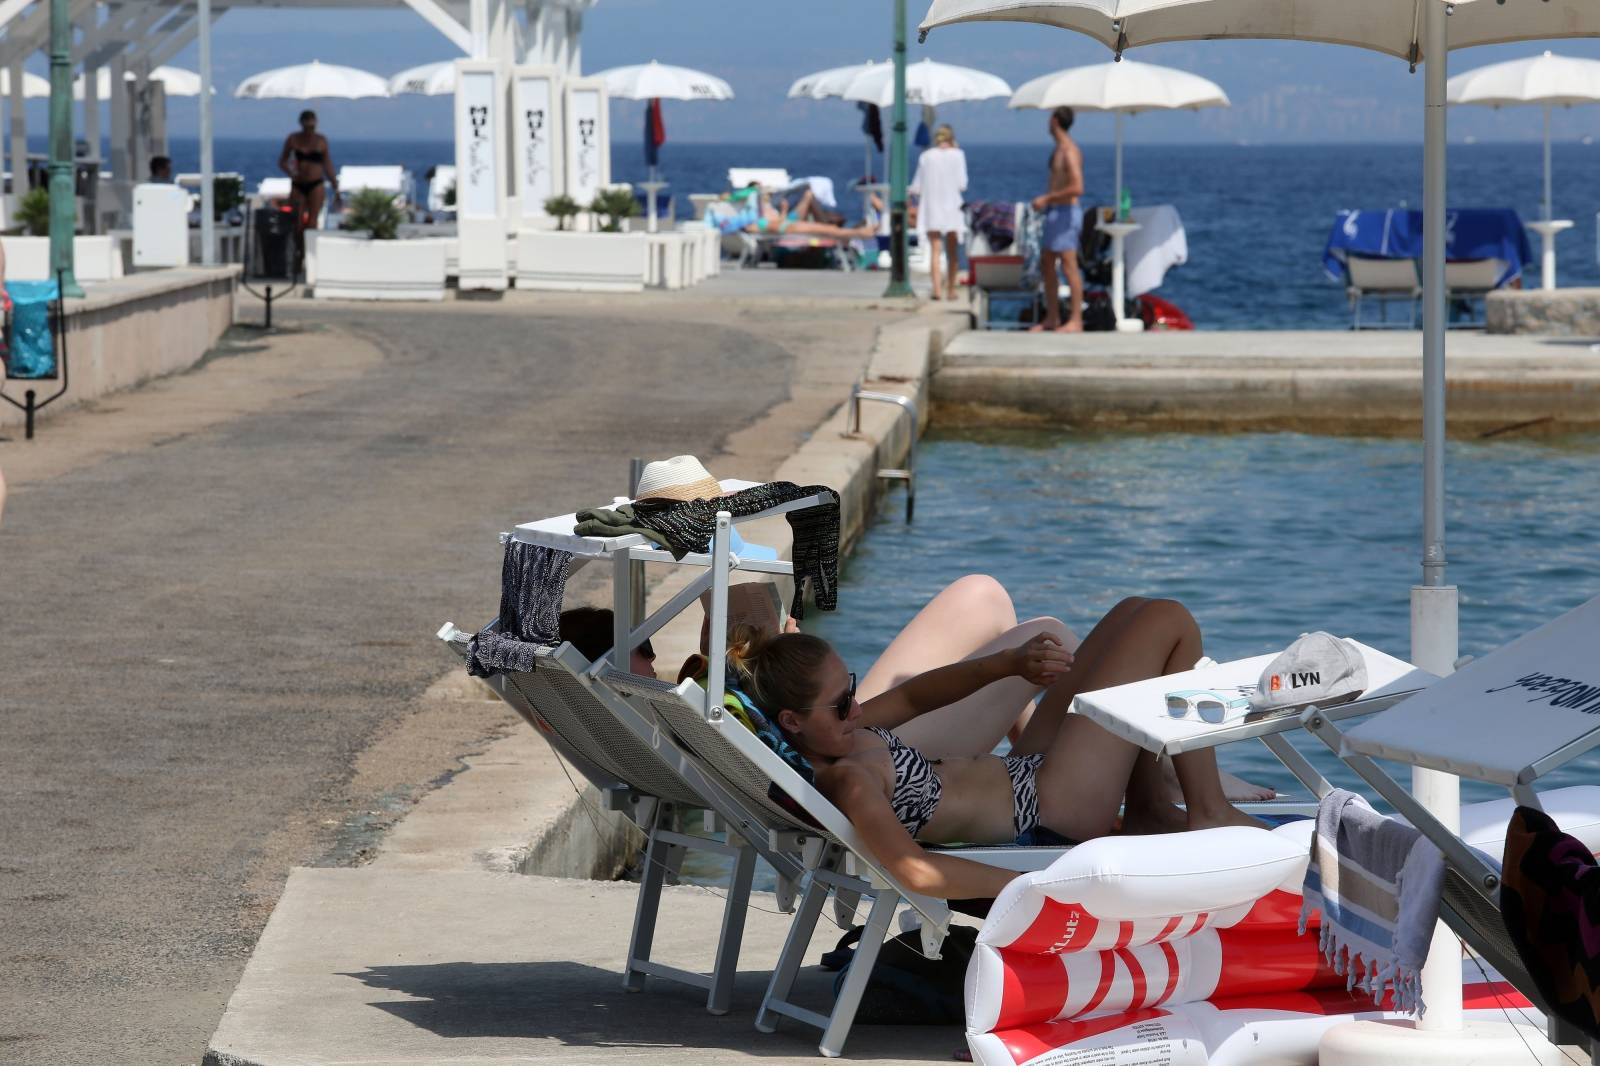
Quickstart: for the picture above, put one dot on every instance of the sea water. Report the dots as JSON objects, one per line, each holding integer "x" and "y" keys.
{"x": 1263, "y": 536}
{"x": 1257, "y": 216}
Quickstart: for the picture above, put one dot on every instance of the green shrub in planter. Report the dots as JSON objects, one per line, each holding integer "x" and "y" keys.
{"x": 563, "y": 209}
{"x": 227, "y": 193}
{"x": 615, "y": 205}
{"x": 375, "y": 211}
{"x": 34, "y": 212}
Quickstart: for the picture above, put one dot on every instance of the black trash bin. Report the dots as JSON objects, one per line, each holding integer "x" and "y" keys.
{"x": 275, "y": 239}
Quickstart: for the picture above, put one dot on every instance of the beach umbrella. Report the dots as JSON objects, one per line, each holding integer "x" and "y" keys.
{"x": 312, "y": 81}
{"x": 1419, "y": 31}
{"x": 430, "y": 79}
{"x": 830, "y": 83}
{"x": 927, "y": 82}
{"x": 1124, "y": 88}
{"x": 655, "y": 82}
{"x": 33, "y": 86}
{"x": 1550, "y": 81}
{"x": 175, "y": 81}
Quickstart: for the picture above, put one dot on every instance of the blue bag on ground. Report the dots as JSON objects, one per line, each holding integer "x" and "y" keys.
{"x": 33, "y": 350}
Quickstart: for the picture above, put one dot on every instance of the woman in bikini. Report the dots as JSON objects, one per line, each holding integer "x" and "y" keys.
{"x": 309, "y": 163}
{"x": 1065, "y": 773}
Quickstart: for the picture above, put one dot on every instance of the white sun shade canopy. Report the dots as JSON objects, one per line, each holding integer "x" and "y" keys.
{"x": 430, "y": 79}
{"x": 830, "y": 83}
{"x": 1547, "y": 79}
{"x": 651, "y": 80}
{"x": 928, "y": 84}
{"x": 1392, "y": 26}
{"x": 1126, "y": 86}
{"x": 175, "y": 81}
{"x": 33, "y": 86}
{"x": 312, "y": 81}
{"x": 1508, "y": 718}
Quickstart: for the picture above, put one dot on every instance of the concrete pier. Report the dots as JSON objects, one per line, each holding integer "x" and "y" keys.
{"x": 1319, "y": 382}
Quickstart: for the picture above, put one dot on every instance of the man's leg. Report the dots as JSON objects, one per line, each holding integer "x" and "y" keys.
{"x": 1052, "y": 301}
{"x": 1069, "y": 265}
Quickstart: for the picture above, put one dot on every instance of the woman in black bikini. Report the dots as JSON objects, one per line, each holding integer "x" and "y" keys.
{"x": 309, "y": 163}
{"x": 1065, "y": 773}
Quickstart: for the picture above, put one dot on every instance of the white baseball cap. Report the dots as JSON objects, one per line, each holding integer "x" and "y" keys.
{"x": 1319, "y": 668}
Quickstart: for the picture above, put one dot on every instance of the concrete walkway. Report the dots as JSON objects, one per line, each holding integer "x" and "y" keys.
{"x": 1326, "y": 382}
{"x": 223, "y": 589}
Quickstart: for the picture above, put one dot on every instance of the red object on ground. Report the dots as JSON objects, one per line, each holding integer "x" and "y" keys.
{"x": 1162, "y": 314}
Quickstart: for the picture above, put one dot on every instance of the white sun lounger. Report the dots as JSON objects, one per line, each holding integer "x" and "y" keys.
{"x": 649, "y": 784}
{"x": 1508, "y": 719}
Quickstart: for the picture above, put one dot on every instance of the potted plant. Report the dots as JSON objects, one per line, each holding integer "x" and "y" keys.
{"x": 378, "y": 264}
{"x": 614, "y": 205}
{"x": 563, "y": 209}
{"x": 33, "y": 213}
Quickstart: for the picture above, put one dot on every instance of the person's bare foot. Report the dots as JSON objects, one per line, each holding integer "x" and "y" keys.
{"x": 1071, "y": 326}
{"x": 935, "y": 296}
{"x": 1147, "y": 821}
{"x": 1236, "y": 789}
{"x": 1043, "y": 327}
{"x": 950, "y": 294}
{"x": 1226, "y": 816}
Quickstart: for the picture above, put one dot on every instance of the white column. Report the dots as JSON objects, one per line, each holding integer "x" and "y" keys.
{"x": 19, "y": 135}
{"x": 208, "y": 226}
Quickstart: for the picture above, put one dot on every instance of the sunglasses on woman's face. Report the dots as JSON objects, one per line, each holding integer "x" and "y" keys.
{"x": 848, "y": 700}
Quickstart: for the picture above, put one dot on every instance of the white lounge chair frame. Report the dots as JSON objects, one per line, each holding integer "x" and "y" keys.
{"x": 1386, "y": 281}
{"x": 736, "y": 770}
{"x": 648, "y": 785}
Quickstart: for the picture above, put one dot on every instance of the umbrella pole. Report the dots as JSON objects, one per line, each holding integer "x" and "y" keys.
{"x": 1116, "y": 192}
{"x": 1549, "y": 210}
{"x": 899, "y": 283}
{"x": 1434, "y": 604}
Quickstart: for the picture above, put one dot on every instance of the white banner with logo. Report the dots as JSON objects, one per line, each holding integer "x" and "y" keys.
{"x": 588, "y": 139}
{"x": 481, "y": 173}
{"x": 536, "y": 126}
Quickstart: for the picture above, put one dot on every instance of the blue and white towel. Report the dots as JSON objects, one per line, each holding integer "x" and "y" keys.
{"x": 1377, "y": 883}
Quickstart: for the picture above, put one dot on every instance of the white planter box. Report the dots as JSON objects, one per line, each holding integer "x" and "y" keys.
{"x": 582, "y": 262}
{"x": 357, "y": 268}
{"x": 94, "y": 258}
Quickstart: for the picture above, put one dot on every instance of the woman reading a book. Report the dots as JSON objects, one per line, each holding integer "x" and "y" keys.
{"x": 1065, "y": 773}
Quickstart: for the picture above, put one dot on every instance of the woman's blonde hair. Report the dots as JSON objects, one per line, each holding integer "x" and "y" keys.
{"x": 944, "y": 135}
{"x": 778, "y": 671}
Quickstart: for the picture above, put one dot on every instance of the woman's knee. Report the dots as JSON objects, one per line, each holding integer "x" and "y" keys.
{"x": 1053, "y": 626}
{"x": 980, "y": 592}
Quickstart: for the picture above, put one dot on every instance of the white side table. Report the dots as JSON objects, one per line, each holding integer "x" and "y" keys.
{"x": 651, "y": 188}
{"x": 1119, "y": 284}
{"x": 1547, "y": 233}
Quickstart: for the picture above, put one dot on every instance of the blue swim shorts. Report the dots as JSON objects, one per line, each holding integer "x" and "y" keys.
{"x": 1063, "y": 225}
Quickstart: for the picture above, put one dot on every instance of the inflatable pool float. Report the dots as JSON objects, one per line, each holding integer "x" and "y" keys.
{"x": 1185, "y": 949}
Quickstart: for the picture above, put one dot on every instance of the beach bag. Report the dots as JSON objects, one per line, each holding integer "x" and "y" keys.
{"x": 907, "y": 987}
{"x": 33, "y": 352}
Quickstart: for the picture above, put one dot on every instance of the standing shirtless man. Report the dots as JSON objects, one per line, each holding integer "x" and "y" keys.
{"x": 1063, "y": 224}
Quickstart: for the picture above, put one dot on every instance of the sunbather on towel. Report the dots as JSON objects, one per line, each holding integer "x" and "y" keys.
{"x": 750, "y": 210}
{"x": 971, "y": 617}
{"x": 1065, "y": 773}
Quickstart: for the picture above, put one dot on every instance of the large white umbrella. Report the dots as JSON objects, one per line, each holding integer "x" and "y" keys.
{"x": 430, "y": 79}
{"x": 312, "y": 81}
{"x": 175, "y": 81}
{"x": 1415, "y": 31}
{"x": 927, "y": 83}
{"x": 1548, "y": 80}
{"x": 1125, "y": 88}
{"x": 33, "y": 86}
{"x": 824, "y": 84}
{"x": 656, "y": 82}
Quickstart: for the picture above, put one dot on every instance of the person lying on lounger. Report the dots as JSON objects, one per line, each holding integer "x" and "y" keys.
{"x": 750, "y": 210}
{"x": 1066, "y": 773}
{"x": 971, "y": 617}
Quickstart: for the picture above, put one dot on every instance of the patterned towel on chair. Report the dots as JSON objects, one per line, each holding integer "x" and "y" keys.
{"x": 1377, "y": 883}
{"x": 1550, "y": 902}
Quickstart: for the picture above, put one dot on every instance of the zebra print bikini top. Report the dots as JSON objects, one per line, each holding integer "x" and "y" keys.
{"x": 917, "y": 789}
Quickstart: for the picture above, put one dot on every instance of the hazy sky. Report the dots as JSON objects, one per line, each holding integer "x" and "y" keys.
{"x": 1281, "y": 91}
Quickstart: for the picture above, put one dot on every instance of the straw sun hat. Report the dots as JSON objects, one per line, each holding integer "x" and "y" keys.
{"x": 680, "y": 478}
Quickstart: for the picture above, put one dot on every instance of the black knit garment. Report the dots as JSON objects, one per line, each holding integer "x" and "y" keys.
{"x": 533, "y": 579}
{"x": 688, "y": 527}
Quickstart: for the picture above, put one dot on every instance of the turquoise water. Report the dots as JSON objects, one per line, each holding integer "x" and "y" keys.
{"x": 1263, "y": 536}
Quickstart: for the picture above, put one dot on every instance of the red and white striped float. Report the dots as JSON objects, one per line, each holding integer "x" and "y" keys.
{"x": 1184, "y": 948}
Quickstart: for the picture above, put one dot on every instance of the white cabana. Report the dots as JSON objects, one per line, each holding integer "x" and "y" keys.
{"x": 1421, "y": 32}
{"x": 928, "y": 83}
{"x": 1549, "y": 81}
{"x": 430, "y": 79}
{"x": 312, "y": 81}
{"x": 1124, "y": 88}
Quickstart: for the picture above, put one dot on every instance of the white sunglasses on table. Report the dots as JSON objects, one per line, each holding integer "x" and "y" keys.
{"x": 1209, "y": 705}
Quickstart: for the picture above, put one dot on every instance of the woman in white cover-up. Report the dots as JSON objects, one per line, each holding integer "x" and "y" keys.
{"x": 940, "y": 181}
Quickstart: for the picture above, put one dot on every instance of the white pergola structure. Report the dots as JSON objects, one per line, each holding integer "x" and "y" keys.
{"x": 136, "y": 36}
